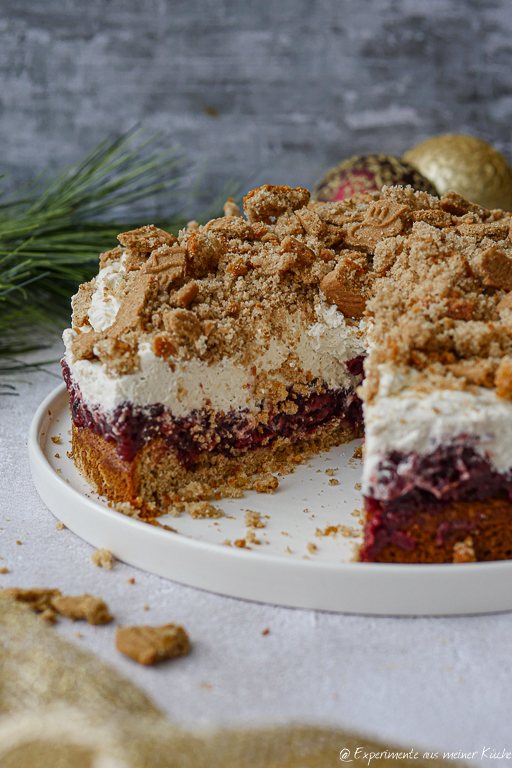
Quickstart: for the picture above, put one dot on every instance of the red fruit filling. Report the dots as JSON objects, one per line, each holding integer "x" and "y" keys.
{"x": 132, "y": 426}
{"x": 410, "y": 483}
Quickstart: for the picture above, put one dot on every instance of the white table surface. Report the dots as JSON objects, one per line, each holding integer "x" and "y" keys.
{"x": 436, "y": 683}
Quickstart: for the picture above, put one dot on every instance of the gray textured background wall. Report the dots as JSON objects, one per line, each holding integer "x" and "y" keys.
{"x": 262, "y": 90}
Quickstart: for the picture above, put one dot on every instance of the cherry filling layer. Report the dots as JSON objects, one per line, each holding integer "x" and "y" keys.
{"x": 409, "y": 484}
{"x": 132, "y": 426}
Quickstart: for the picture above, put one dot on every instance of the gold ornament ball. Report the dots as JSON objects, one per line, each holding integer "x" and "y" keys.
{"x": 465, "y": 165}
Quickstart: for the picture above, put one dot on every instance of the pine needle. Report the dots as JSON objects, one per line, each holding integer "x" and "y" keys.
{"x": 53, "y": 230}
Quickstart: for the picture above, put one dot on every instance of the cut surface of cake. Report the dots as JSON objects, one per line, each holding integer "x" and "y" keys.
{"x": 200, "y": 365}
{"x": 437, "y": 475}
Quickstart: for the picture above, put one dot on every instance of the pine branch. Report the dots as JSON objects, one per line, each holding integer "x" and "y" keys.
{"x": 53, "y": 230}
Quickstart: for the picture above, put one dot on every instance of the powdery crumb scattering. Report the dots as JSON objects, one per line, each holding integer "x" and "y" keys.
{"x": 333, "y": 530}
{"x": 103, "y": 558}
{"x": 149, "y": 645}
{"x": 253, "y": 519}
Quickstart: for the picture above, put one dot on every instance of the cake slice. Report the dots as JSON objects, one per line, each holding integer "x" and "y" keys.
{"x": 437, "y": 475}
{"x": 198, "y": 366}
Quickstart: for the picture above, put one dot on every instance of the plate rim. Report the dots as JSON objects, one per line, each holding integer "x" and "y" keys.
{"x": 50, "y": 482}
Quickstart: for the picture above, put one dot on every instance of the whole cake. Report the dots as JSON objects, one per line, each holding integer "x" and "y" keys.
{"x": 200, "y": 365}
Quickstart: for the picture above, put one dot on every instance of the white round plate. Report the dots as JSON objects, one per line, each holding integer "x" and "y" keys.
{"x": 281, "y": 569}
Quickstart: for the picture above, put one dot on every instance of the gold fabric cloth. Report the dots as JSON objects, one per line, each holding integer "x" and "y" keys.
{"x": 60, "y": 707}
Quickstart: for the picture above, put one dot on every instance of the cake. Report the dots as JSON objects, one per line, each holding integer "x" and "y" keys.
{"x": 201, "y": 365}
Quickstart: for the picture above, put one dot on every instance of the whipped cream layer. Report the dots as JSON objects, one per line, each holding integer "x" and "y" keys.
{"x": 404, "y": 419}
{"x": 104, "y": 304}
{"x": 321, "y": 349}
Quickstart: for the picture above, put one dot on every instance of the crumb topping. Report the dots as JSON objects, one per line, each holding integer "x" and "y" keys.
{"x": 223, "y": 289}
{"x": 433, "y": 274}
{"x": 440, "y": 301}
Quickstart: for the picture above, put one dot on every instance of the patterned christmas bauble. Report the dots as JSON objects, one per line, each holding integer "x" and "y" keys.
{"x": 368, "y": 173}
{"x": 466, "y": 165}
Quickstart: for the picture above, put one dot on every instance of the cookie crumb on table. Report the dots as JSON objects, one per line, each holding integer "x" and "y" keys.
{"x": 311, "y": 547}
{"x": 4, "y": 570}
{"x": 148, "y": 645}
{"x": 50, "y": 602}
{"x": 60, "y": 526}
{"x": 87, "y": 607}
{"x": 103, "y": 558}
